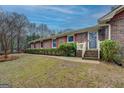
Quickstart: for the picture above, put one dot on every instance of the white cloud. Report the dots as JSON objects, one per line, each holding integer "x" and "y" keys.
{"x": 65, "y": 9}
{"x": 60, "y": 9}
{"x": 53, "y": 19}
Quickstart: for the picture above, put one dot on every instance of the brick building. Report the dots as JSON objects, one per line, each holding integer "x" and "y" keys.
{"x": 110, "y": 26}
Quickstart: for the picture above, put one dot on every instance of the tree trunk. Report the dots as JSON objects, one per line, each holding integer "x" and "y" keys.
{"x": 5, "y": 53}
{"x": 11, "y": 42}
{"x": 18, "y": 42}
{"x": 11, "y": 47}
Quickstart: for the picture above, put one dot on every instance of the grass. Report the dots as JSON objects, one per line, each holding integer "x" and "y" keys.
{"x": 37, "y": 71}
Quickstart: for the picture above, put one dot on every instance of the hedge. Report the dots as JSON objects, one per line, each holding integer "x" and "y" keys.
{"x": 55, "y": 51}
{"x": 68, "y": 49}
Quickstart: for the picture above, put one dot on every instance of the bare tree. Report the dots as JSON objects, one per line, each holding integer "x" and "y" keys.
{"x": 12, "y": 26}
{"x": 20, "y": 26}
{"x": 5, "y": 32}
{"x": 12, "y": 23}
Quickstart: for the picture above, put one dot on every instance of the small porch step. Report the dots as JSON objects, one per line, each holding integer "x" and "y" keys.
{"x": 91, "y": 54}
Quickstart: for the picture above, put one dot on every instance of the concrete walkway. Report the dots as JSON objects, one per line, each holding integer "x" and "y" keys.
{"x": 74, "y": 59}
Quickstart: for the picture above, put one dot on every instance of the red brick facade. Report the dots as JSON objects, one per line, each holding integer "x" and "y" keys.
{"x": 117, "y": 33}
{"x": 47, "y": 43}
{"x": 38, "y": 44}
{"x": 81, "y": 37}
{"x": 116, "y": 23}
{"x": 61, "y": 40}
{"x": 117, "y": 28}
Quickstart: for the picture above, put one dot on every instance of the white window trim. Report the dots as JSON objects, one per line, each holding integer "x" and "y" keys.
{"x": 97, "y": 42}
{"x": 52, "y": 43}
{"x": 68, "y": 39}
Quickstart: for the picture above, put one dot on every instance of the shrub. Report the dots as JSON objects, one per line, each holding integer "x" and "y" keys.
{"x": 64, "y": 50}
{"x": 109, "y": 50}
{"x": 55, "y": 51}
{"x": 68, "y": 49}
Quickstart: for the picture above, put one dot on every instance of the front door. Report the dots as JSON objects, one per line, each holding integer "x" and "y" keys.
{"x": 92, "y": 37}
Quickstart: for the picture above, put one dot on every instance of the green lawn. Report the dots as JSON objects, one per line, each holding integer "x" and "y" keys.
{"x": 37, "y": 71}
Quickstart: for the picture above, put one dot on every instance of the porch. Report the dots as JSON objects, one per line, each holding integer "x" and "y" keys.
{"x": 90, "y": 49}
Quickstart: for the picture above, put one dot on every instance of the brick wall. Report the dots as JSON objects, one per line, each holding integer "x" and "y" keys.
{"x": 47, "y": 44}
{"x": 117, "y": 28}
{"x": 81, "y": 37}
{"x": 61, "y": 40}
{"x": 37, "y": 45}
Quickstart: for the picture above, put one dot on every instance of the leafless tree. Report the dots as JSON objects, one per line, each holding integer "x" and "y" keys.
{"x": 12, "y": 27}
{"x": 20, "y": 28}
{"x": 14, "y": 30}
{"x": 5, "y": 32}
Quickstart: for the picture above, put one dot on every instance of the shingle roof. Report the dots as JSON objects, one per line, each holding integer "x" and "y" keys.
{"x": 88, "y": 29}
{"x": 111, "y": 14}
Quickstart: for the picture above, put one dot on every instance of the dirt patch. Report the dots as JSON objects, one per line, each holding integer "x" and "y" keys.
{"x": 9, "y": 58}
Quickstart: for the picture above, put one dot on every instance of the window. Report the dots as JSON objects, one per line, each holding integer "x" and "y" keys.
{"x": 70, "y": 39}
{"x": 54, "y": 43}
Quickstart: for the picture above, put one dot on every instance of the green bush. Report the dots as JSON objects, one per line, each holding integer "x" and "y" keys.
{"x": 51, "y": 51}
{"x": 64, "y": 50}
{"x": 68, "y": 49}
{"x": 109, "y": 50}
{"x": 38, "y": 51}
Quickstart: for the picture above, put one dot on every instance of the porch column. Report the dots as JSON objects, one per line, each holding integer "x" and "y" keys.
{"x": 109, "y": 31}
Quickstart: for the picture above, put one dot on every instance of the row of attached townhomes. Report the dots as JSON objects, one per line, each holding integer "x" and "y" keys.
{"x": 110, "y": 26}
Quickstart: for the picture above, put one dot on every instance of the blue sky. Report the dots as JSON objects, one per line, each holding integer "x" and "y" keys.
{"x": 61, "y": 17}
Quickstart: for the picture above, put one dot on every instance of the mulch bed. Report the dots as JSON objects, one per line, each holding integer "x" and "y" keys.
{"x": 9, "y": 58}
